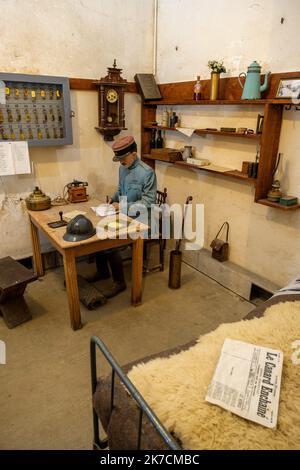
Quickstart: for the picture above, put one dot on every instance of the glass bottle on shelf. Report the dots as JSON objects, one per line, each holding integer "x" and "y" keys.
{"x": 173, "y": 119}
{"x": 165, "y": 118}
{"x": 170, "y": 113}
{"x": 159, "y": 140}
{"x": 197, "y": 89}
{"x": 153, "y": 139}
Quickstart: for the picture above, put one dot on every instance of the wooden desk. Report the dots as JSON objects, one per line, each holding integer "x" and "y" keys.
{"x": 70, "y": 250}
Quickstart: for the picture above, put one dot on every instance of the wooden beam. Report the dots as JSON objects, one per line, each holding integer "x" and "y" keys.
{"x": 230, "y": 88}
{"x": 87, "y": 84}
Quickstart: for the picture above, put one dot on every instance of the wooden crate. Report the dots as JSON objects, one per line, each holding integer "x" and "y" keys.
{"x": 166, "y": 154}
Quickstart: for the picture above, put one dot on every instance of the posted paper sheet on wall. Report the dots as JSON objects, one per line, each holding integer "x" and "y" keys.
{"x": 247, "y": 381}
{"x": 2, "y": 93}
{"x": 14, "y": 158}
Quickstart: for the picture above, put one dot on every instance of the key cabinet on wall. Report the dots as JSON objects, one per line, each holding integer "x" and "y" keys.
{"x": 179, "y": 94}
{"x": 35, "y": 108}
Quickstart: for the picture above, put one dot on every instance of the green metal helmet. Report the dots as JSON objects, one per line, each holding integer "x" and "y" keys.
{"x": 79, "y": 228}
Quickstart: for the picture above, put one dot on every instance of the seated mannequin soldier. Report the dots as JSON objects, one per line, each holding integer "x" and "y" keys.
{"x": 137, "y": 181}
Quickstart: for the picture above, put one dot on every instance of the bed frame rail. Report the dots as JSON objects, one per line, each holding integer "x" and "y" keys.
{"x": 134, "y": 393}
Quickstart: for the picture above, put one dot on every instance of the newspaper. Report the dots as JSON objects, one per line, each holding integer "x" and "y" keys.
{"x": 247, "y": 381}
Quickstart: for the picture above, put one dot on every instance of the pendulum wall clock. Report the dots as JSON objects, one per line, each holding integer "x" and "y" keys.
{"x": 111, "y": 103}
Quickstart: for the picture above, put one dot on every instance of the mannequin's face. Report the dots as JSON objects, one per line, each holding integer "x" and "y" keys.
{"x": 128, "y": 160}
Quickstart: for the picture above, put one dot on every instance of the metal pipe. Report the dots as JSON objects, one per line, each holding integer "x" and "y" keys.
{"x": 155, "y": 37}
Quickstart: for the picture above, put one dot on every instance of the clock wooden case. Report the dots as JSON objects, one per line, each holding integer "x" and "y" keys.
{"x": 111, "y": 111}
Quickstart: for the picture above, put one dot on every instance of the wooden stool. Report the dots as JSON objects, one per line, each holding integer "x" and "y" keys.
{"x": 14, "y": 278}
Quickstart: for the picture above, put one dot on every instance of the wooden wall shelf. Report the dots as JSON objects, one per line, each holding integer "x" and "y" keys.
{"x": 209, "y": 169}
{"x": 219, "y": 102}
{"x": 208, "y": 132}
{"x": 275, "y": 205}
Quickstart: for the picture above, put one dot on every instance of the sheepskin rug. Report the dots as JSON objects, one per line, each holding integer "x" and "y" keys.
{"x": 175, "y": 387}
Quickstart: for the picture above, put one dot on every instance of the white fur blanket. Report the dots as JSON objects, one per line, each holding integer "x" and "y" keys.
{"x": 175, "y": 387}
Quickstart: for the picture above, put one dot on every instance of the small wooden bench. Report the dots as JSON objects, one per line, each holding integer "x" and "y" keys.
{"x": 14, "y": 278}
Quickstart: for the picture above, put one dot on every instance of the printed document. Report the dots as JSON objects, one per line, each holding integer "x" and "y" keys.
{"x": 247, "y": 381}
{"x": 14, "y": 158}
{"x": 2, "y": 93}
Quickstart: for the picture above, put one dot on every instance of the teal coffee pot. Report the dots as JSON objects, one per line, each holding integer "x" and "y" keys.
{"x": 252, "y": 89}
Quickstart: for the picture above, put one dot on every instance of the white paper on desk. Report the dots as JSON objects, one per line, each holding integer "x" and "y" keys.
{"x": 14, "y": 158}
{"x": 2, "y": 93}
{"x": 247, "y": 381}
{"x": 72, "y": 214}
{"x": 104, "y": 209}
{"x": 186, "y": 131}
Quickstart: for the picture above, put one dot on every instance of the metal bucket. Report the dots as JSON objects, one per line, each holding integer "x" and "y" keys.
{"x": 175, "y": 269}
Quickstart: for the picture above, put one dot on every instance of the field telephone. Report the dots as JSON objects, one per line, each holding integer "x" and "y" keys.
{"x": 77, "y": 191}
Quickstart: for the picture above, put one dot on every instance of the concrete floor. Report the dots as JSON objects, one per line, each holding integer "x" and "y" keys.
{"x": 45, "y": 398}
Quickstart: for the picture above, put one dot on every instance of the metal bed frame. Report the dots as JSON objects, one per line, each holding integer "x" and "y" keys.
{"x": 144, "y": 408}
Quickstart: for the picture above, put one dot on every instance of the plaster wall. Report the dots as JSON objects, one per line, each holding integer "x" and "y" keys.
{"x": 73, "y": 38}
{"x": 190, "y": 32}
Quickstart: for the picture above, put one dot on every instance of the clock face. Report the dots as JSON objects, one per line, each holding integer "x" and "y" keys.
{"x": 112, "y": 96}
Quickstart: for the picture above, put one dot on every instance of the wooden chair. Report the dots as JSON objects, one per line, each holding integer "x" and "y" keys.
{"x": 161, "y": 198}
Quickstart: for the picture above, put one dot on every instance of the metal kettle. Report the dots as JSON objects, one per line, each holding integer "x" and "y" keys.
{"x": 252, "y": 89}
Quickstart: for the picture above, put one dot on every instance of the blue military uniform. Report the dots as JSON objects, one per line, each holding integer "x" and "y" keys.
{"x": 137, "y": 183}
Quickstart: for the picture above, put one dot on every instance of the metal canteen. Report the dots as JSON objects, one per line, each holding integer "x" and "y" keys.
{"x": 252, "y": 89}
